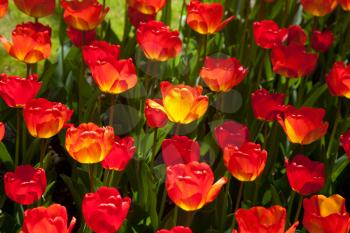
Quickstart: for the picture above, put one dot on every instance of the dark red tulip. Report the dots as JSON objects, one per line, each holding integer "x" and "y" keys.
{"x": 80, "y": 38}
{"x": 155, "y": 118}
{"x": 25, "y": 185}
{"x": 180, "y": 149}
{"x": 267, "y": 34}
{"x": 2, "y": 131}
{"x": 338, "y": 80}
{"x": 295, "y": 35}
{"x": 231, "y": 133}
{"x": 36, "y": 8}
{"x": 321, "y": 41}
{"x": 136, "y": 17}
{"x": 304, "y": 175}
{"x": 122, "y": 151}
{"x": 3, "y": 8}
{"x": 177, "y": 229}
{"x": 345, "y": 142}
{"x": 105, "y": 210}
{"x": 345, "y": 4}
{"x": 293, "y": 61}
{"x": 267, "y": 106}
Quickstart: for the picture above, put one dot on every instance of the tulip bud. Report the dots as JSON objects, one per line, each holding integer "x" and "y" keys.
{"x": 36, "y": 8}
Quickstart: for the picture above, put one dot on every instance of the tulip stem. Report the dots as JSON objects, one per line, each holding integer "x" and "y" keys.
{"x": 175, "y": 215}
{"x": 238, "y": 202}
{"x": 18, "y": 136}
{"x": 300, "y": 203}
{"x": 162, "y": 204}
{"x": 182, "y": 10}
{"x": 154, "y": 148}
{"x": 205, "y": 40}
{"x": 28, "y": 70}
{"x": 289, "y": 209}
{"x": 331, "y": 139}
{"x": 43, "y": 146}
{"x": 111, "y": 110}
{"x": 91, "y": 175}
{"x": 109, "y": 176}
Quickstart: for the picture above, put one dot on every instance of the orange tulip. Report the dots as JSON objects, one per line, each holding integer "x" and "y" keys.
{"x": 345, "y": 4}
{"x": 110, "y": 74}
{"x": 338, "y": 80}
{"x": 190, "y": 186}
{"x": 147, "y": 7}
{"x": 3, "y": 7}
{"x": 263, "y": 220}
{"x": 31, "y": 42}
{"x": 17, "y": 91}
{"x": 304, "y": 125}
{"x": 89, "y": 143}
{"x": 158, "y": 41}
{"x": 206, "y": 18}
{"x": 83, "y": 15}
{"x": 326, "y": 215}
{"x": 182, "y": 104}
{"x": 222, "y": 74}
{"x": 47, "y": 220}
{"x": 45, "y": 119}
{"x": 246, "y": 162}
{"x": 36, "y": 8}
{"x": 319, "y": 7}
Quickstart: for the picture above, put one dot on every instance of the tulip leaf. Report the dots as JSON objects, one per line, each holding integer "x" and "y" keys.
{"x": 5, "y": 157}
{"x": 339, "y": 166}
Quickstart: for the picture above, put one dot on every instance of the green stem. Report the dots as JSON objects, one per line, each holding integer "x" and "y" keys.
{"x": 238, "y": 202}
{"x": 300, "y": 204}
{"x": 176, "y": 210}
{"x": 289, "y": 209}
{"x": 182, "y": 10}
{"x": 205, "y": 41}
{"x": 162, "y": 204}
{"x": 331, "y": 139}
{"x": 256, "y": 191}
{"x": 109, "y": 176}
{"x": 91, "y": 176}
{"x": 111, "y": 110}
{"x": 154, "y": 147}
{"x": 18, "y": 134}
{"x": 43, "y": 146}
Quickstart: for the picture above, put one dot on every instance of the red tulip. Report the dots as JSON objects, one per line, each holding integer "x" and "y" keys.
{"x": 158, "y": 41}
{"x": 177, "y": 229}
{"x": 326, "y": 215}
{"x": 267, "y": 34}
{"x": 36, "y": 8}
{"x": 304, "y": 125}
{"x": 295, "y": 35}
{"x": 80, "y": 38}
{"x": 83, "y": 15}
{"x": 263, "y": 220}
{"x": 155, "y": 118}
{"x": 110, "y": 74}
{"x": 45, "y": 119}
{"x": 31, "y": 42}
{"x": 293, "y": 61}
{"x": 25, "y": 185}
{"x": 2, "y": 131}
{"x": 180, "y": 149}
{"x": 122, "y": 151}
{"x": 305, "y": 176}
{"x": 190, "y": 186}
{"x": 147, "y": 7}
{"x": 105, "y": 210}
{"x": 231, "y": 133}
{"x": 345, "y": 142}
{"x": 338, "y": 80}
{"x": 52, "y": 219}
{"x": 222, "y": 74}
{"x": 3, "y": 8}
{"x": 345, "y": 4}
{"x": 321, "y": 41}
{"x": 319, "y": 7}
{"x": 136, "y": 17}
{"x": 206, "y": 18}
{"x": 267, "y": 106}
{"x": 16, "y": 91}
{"x": 246, "y": 162}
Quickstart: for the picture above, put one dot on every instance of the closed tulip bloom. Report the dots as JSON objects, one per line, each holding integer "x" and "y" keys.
{"x": 190, "y": 186}
{"x": 338, "y": 80}
{"x": 16, "y": 91}
{"x": 321, "y": 41}
{"x": 246, "y": 162}
{"x": 305, "y": 176}
{"x": 105, "y": 210}
{"x": 177, "y": 229}
{"x": 206, "y": 18}
{"x": 45, "y": 119}
{"x": 122, "y": 151}
{"x": 89, "y": 143}
{"x": 267, "y": 34}
{"x": 345, "y": 4}
{"x": 36, "y": 8}
{"x": 25, "y": 185}
{"x": 181, "y": 103}
{"x": 304, "y": 125}
{"x": 319, "y": 7}
{"x": 2, "y": 131}
{"x": 3, "y": 8}
{"x": 267, "y": 106}
{"x": 221, "y": 74}
{"x": 31, "y": 42}
{"x": 158, "y": 41}
{"x": 326, "y": 215}
{"x": 231, "y": 133}
{"x": 53, "y": 219}
{"x": 345, "y": 142}
{"x": 83, "y": 15}
{"x": 111, "y": 75}
{"x": 293, "y": 61}
{"x": 81, "y": 38}
{"x": 295, "y": 35}
{"x": 147, "y": 7}
{"x": 180, "y": 149}
{"x": 155, "y": 118}
{"x": 136, "y": 17}
{"x": 260, "y": 220}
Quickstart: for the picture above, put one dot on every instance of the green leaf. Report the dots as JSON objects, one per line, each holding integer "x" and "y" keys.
{"x": 5, "y": 157}
{"x": 339, "y": 166}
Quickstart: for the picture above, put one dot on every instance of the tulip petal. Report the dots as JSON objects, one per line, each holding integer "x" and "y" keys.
{"x": 293, "y": 228}
{"x": 215, "y": 189}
